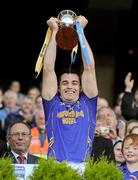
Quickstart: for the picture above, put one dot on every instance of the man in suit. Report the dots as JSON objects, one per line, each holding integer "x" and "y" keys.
{"x": 19, "y": 138}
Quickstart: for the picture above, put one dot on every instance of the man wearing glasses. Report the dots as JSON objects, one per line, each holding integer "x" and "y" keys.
{"x": 19, "y": 139}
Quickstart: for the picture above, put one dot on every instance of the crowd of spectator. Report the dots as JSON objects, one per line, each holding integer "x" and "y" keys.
{"x": 16, "y": 107}
{"x": 116, "y": 132}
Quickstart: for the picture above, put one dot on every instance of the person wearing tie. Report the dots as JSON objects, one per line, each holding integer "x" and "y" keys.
{"x": 19, "y": 139}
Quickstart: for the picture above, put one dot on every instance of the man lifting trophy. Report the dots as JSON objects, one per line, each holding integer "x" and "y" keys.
{"x": 70, "y": 99}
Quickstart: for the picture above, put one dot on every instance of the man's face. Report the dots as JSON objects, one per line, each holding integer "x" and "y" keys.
{"x": 108, "y": 114}
{"x": 15, "y": 86}
{"x": 10, "y": 101}
{"x": 27, "y": 105}
{"x": 69, "y": 87}
{"x": 19, "y": 138}
{"x": 130, "y": 151}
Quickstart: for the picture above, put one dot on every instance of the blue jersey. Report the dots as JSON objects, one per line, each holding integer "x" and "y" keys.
{"x": 127, "y": 173}
{"x": 70, "y": 127}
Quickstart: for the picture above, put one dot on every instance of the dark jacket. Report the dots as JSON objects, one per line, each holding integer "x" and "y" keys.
{"x": 128, "y": 108}
{"x": 103, "y": 146}
{"x": 31, "y": 159}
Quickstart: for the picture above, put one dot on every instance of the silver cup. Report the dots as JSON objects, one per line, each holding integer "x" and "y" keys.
{"x": 67, "y": 37}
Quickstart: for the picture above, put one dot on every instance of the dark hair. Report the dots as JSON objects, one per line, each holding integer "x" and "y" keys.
{"x": 69, "y": 71}
{"x": 119, "y": 141}
{"x": 14, "y": 123}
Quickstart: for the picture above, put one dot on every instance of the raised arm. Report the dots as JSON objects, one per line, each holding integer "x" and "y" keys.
{"x": 129, "y": 82}
{"x": 89, "y": 83}
{"x": 127, "y": 108}
{"x": 49, "y": 79}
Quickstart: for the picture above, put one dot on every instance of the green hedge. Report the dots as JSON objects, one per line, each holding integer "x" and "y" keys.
{"x": 52, "y": 170}
{"x": 102, "y": 170}
{"x": 6, "y": 169}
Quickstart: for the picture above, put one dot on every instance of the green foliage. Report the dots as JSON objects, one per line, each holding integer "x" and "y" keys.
{"x": 102, "y": 170}
{"x": 6, "y": 169}
{"x": 52, "y": 170}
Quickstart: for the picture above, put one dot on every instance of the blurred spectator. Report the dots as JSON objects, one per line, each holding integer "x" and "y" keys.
{"x": 25, "y": 113}
{"x": 130, "y": 124}
{"x": 129, "y": 105}
{"x": 102, "y": 102}
{"x": 38, "y": 104}
{"x": 39, "y": 142}
{"x": 121, "y": 120}
{"x": 117, "y": 108}
{"x": 33, "y": 92}
{"x": 107, "y": 115}
{"x": 101, "y": 128}
{"x": 1, "y": 121}
{"x": 1, "y": 98}
{"x": 16, "y": 87}
{"x": 10, "y": 105}
{"x": 130, "y": 152}
{"x": 102, "y": 144}
{"x": 121, "y": 127}
{"x": 119, "y": 158}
